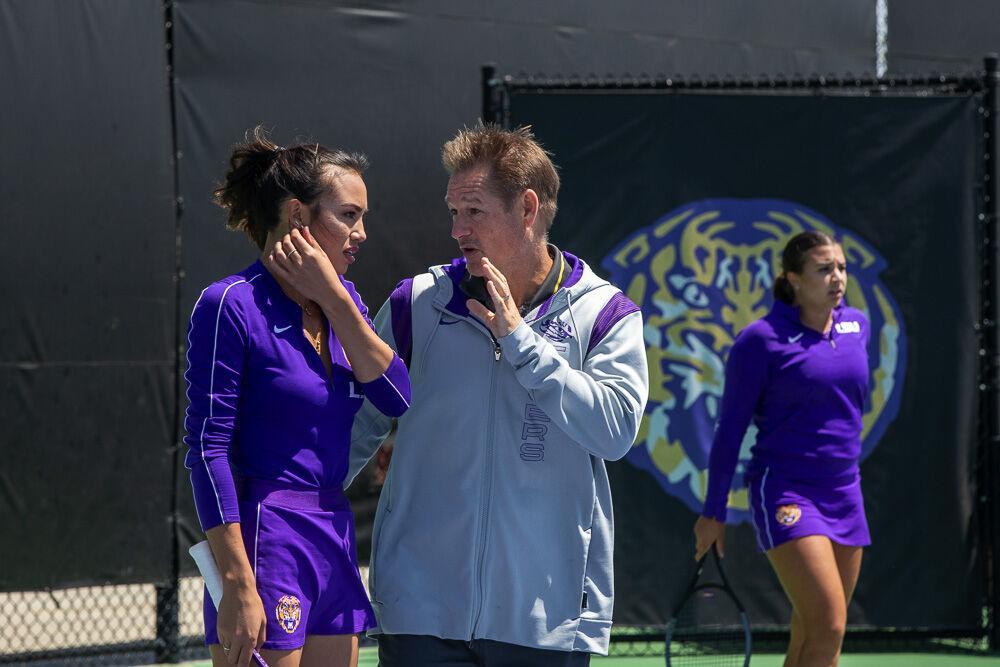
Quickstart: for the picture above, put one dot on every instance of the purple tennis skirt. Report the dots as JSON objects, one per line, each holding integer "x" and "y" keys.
{"x": 301, "y": 546}
{"x": 784, "y": 509}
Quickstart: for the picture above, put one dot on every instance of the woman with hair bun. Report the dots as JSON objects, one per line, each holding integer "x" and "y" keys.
{"x": 275, "y": 376}
{"x": 801, "y": 374}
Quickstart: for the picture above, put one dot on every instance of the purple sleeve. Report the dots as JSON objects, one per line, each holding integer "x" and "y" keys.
{"x": 217, "y": 343}
{"x": 746, "y": 375}
{"x": 617, "y": 307}
{"x": 390, "y": 392}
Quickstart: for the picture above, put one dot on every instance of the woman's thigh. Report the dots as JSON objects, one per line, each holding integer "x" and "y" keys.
{"x": 849, "y": 566}
{"x": 319, "y": 651}
{"x": 273, "y": 658}
{"x": 809, "y": 573}
{"x": 330, "y": 651}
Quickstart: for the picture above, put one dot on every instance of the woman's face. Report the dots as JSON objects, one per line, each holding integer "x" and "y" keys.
{"x": 336, "y": 221}
{"x": 823, "y": 280}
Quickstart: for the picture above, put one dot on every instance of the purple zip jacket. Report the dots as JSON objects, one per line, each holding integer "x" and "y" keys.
{"x": 260, "y": 402}
{"x": 804, "y": 391}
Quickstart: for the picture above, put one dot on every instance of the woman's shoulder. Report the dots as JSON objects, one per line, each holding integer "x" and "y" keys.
{"x": 228, "y": 293}
{"x": 849, "y": 314}
{"x": 757, "y": 333}
{"x": 753, "y": 342}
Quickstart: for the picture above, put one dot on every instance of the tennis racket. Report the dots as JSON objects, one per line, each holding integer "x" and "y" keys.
{"x": 709, "y": 628}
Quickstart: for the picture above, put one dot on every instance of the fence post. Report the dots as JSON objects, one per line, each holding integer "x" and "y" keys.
{"x": 990, "y": 382}
{"x": 493, "y": 96}
{"x": 168, "y": 600}
{"x": 168, "y": 625}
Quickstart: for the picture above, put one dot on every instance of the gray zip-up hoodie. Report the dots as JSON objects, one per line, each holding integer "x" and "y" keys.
{"x": 495, "y": 521}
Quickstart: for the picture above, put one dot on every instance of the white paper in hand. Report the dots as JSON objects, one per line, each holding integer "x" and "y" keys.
{"x": 203, "y": 558}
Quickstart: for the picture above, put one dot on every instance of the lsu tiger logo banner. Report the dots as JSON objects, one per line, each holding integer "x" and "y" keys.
{"x": 700, "y": 274}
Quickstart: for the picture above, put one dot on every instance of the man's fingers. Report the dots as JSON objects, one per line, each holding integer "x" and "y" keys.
{"x": 479, "y": 310}
{"x": 495, "y": 274}
{"x": 499, "y": 298}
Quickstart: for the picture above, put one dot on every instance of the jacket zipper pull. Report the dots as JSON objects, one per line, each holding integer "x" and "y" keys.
{"x": 496, "y": 351}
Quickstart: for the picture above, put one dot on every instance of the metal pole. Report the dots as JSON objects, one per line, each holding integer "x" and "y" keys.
{"x": 490, "y": 110}
{"x": 167, "y": 645}
{"x": 991, "y": 347}
{"x": 168, "y": 627}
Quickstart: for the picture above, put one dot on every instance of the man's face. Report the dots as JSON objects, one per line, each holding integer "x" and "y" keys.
{"x": 481, "y": 220}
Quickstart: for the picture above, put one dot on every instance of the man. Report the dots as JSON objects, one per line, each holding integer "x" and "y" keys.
{"x": 493, "y": 536}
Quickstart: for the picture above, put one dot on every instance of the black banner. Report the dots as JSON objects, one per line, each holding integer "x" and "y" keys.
{"x": 658, "y": 187}
{"x": 88, "y": 330}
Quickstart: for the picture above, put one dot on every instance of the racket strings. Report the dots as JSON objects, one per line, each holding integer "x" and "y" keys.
{"x": 708, "y": 632}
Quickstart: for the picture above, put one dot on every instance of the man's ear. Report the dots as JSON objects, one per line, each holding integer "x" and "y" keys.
{"x": 529, "y": 208}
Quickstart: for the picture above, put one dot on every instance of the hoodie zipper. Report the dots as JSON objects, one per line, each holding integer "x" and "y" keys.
{"x": 487, "y": 490}
{"x": 487, "y": 474}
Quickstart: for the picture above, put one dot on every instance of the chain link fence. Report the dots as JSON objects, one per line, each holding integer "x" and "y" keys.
{"x": 141, "y": 624}
{"x": 102, "y": 625}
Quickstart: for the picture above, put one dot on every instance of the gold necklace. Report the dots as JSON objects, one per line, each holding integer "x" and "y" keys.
{"x": 317, "y": 341}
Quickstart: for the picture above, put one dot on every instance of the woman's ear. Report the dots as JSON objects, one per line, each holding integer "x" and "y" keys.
{"x": 295, "y": 214}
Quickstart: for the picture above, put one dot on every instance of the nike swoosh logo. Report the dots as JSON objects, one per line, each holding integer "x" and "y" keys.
{"x": 278, "y": 330}
{"x": 793, "y": 339}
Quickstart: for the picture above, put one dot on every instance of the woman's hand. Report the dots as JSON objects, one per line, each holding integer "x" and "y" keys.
{"x": 707, "y": 532}
{"x": 298, "y": 260}
{"x": 242, "y": 625}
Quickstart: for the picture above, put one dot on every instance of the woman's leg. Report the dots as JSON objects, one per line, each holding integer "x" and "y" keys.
{"x": 797, "y": 636}
{"x": 273, "y": 658}
{"x": 319, "y": 651}
{"x": 849, "y": 565}
{"x": 808, "y": 571}
{"x": 330, "y": 651}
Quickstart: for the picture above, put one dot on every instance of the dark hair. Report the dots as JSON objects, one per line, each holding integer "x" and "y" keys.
{"x": 793, "y": 258}
{"x": 263, "y": 175}
{"x": 516, "y": 160}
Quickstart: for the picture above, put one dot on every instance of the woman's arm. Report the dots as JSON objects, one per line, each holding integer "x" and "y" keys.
{"x": 217, "y": 343}
{"x": 374, "y": 363}
{"x": 242, "y": 624}
{"x": 746, "y": 377}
